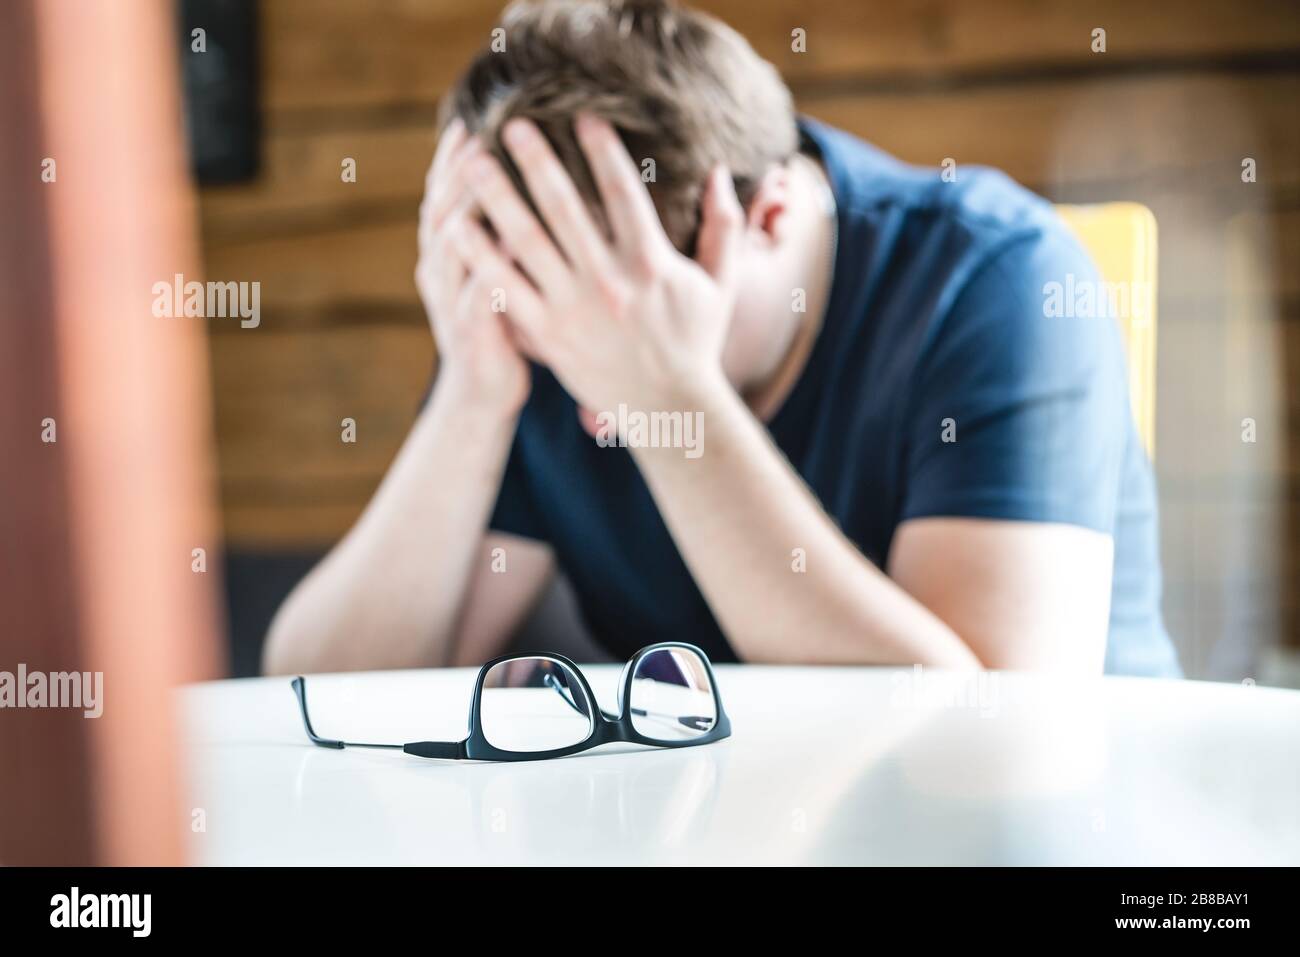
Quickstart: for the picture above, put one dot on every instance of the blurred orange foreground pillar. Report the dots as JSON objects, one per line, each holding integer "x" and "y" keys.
{"x": 97, "y": 528}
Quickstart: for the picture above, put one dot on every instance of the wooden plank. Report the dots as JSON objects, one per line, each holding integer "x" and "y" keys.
{"x": 300, "y": 186}
{"x": 924, "y": 38}
{"x": 288, "y": 480}
{"x": 280, "y": 399}
{"x": 1214, "y": 370}
{"x": 340, "y": 272}
{"x": 1079, "y": 140}
{"x": 1282, "y": 235}
{"x": 1142, "y": 133}
{"x": 1290, "y": 348}
{"x": 314, "y": 58}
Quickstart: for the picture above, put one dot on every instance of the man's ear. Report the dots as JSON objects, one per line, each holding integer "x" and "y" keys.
{"x": 767, "y": 209}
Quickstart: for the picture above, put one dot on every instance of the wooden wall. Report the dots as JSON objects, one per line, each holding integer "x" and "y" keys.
{"x": 1184, "y": 92}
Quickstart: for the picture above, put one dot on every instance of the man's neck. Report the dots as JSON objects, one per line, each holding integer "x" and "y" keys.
{"x": 797, "y": 332}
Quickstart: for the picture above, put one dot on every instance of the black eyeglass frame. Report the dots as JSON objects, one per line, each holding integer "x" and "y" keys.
{"x": 606, "y": 728}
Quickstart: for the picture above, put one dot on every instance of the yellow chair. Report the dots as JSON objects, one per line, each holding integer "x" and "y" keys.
{"x": 1121, "y": 237}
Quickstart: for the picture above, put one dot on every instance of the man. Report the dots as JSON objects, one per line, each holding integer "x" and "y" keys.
{"x": 902, "y": 458}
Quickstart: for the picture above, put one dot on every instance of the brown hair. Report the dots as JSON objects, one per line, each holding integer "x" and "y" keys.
{"x": 681, "y": 87}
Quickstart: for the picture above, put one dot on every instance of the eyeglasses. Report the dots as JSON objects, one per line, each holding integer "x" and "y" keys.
{"x": 534, "y": 706}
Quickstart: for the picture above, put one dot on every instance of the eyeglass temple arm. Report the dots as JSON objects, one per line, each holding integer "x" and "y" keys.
{"x": 563, "y": 692}
{"x": 695, "y": 722}
{"x": 452, "y": 750}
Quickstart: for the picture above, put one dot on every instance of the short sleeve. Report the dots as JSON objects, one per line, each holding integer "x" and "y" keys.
{"x": 1020, "y": 409}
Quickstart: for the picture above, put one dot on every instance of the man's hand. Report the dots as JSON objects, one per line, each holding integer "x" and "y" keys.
{"x": 479, "y": 360}
{"x": 625, "y": 319}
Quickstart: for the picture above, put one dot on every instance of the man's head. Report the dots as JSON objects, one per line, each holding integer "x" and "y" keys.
{"x": 685, "y": 91}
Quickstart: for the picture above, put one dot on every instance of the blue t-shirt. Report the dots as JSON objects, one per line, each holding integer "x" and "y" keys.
{"x": 936, "y": 313}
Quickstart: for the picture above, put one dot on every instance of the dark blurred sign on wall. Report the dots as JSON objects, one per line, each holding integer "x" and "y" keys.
{"x": 219, "y": 66}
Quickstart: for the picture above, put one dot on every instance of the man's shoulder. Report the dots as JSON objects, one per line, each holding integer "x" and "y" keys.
{"x": 959, "y": 270}
{"x": 978, "y": 207}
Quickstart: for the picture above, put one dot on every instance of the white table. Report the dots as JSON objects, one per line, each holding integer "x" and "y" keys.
{"x": 825, "y": 766}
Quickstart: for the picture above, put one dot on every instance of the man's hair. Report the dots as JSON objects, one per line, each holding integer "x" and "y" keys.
{"x": 682, "y": 88}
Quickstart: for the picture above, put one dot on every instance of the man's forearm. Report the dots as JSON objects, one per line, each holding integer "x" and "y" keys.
{"x": 390, "y": 592}
{"x": 782, "y": 580}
